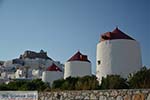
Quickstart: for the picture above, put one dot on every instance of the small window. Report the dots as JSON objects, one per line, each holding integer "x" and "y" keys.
{"x": 99, "y": 62}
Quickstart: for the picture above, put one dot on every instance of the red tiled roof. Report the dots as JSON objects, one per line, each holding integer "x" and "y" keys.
{"x": 79, "y": 57}
{"x": 53, "y": 67}
{"x": 115, "y": 34}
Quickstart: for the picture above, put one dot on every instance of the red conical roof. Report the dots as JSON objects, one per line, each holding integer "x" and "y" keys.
{"x": 79, "y": 57}
{"x": 53, "y": 67}
{"x": 115, "y": 34}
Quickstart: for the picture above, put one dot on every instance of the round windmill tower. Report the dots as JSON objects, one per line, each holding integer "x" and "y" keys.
{"x": 77, "y": 66}
{"x": 52, "y": 73}
{"x": 117, "y": 53}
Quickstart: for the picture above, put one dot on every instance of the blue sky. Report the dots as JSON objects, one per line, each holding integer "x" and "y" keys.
{"x": 62, "y": 27}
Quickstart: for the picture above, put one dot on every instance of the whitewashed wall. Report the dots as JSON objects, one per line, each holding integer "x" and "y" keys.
{"x": 118, "y": 56}
{"x": 77, "y": 68}
{"x": 50, "y": 76}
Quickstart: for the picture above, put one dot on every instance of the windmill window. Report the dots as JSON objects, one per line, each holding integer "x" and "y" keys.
{"x": 99, "y": 62}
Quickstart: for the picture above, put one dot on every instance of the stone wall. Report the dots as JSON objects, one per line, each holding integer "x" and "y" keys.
{"x": 125, "y": 94}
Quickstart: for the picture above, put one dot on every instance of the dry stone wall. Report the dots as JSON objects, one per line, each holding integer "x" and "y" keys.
{"x": 125, "y": 94}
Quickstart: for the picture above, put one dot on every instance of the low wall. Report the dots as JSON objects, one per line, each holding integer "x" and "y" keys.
{"x": 125, "y": 94}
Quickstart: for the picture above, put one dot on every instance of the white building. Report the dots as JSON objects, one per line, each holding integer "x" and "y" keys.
{"x": 77, "y": 66}
{"x": 19, "y": 73}
{"x": 36, "y": 73}
{"x": 117, "y": 53}
{"x": 52, "y": 73}
{"x": 7, "y": 63}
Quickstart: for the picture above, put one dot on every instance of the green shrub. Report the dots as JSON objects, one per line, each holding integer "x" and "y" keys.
{"x": 140, "y": 79}
{"x": 25, "y": 85}
{"x": 57, "y": 84}
{"x": 114, "y": 82}
{"x": 3, "y": 87}
{"x": 76, "y": 83}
